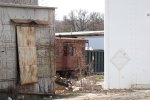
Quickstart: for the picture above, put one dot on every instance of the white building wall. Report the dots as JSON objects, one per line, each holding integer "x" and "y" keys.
{"x": 127, "y": 44}
{"x": 96, "y": 42}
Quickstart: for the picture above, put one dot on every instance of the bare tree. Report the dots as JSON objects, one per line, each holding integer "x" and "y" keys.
{"x": 96, "y": 21}
{"x": 81, "y": 20}
{"x": 59, "y": 26}
{"x": 72, "y": 20}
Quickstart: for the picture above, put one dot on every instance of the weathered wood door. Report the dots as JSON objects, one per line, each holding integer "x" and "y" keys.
{"x": 27, "y": 54}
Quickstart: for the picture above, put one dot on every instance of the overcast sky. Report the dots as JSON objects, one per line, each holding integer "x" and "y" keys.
{"x": 65, "y": 6}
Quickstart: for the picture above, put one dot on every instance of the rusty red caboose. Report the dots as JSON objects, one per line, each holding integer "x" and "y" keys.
{"x": 70, "y": 55}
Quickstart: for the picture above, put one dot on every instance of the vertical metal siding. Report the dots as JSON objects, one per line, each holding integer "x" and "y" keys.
{"x": 98, "y": 61}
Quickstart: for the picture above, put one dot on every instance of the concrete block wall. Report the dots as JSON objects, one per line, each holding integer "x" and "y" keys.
{"x": 44, "y": 43}
{"x": 27, "y": 2}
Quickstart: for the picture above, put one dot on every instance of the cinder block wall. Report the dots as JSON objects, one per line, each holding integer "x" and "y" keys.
{"x": 27, "y": 2}
{"x": 44, "y": 48}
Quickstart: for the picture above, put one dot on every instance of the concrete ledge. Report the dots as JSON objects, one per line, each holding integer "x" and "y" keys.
{"x": 140, "y": 86}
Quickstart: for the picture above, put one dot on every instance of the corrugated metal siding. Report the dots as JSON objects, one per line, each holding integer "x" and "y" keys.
{"x": 96, "y": 57}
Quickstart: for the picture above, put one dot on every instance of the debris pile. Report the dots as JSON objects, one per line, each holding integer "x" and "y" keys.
{"x": 84, "y": 84}
{"x": 88, "y": 84}
{"x": 62, "y": 85}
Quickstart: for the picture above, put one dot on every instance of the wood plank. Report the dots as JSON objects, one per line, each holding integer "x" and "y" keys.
{"x": 27, "y": 54}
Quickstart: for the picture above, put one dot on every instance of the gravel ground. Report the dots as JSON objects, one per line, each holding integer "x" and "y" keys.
{"x": 111, "y": 95}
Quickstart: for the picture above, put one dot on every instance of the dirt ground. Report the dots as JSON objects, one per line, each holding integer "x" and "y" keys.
{"x": 92, "y": 89}
{"x": 89, "y": 88}
{"x": 109, "y": 95}
{"x": 101, "y": 95}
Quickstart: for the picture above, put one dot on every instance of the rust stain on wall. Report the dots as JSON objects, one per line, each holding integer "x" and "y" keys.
{"x": 27, "y": 54}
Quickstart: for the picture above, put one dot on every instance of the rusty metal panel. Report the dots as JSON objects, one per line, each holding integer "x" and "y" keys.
{"x": 27, "y": 54}
{"x": 26, "y": 36}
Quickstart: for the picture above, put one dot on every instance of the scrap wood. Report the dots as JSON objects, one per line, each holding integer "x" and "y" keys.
{"x": 63, "y": 82}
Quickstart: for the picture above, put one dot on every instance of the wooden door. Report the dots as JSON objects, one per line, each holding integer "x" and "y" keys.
{"x": 27, "y": 54}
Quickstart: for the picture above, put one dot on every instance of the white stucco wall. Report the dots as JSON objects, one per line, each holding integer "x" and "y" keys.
{"x": 127, "y": 44}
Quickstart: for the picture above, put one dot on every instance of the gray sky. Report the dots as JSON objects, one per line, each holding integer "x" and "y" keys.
{"x": 65, "y": 6}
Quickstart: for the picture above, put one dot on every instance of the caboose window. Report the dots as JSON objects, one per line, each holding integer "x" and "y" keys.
{"x": 69, "y": 50}
{"x": 65, "y": 49}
